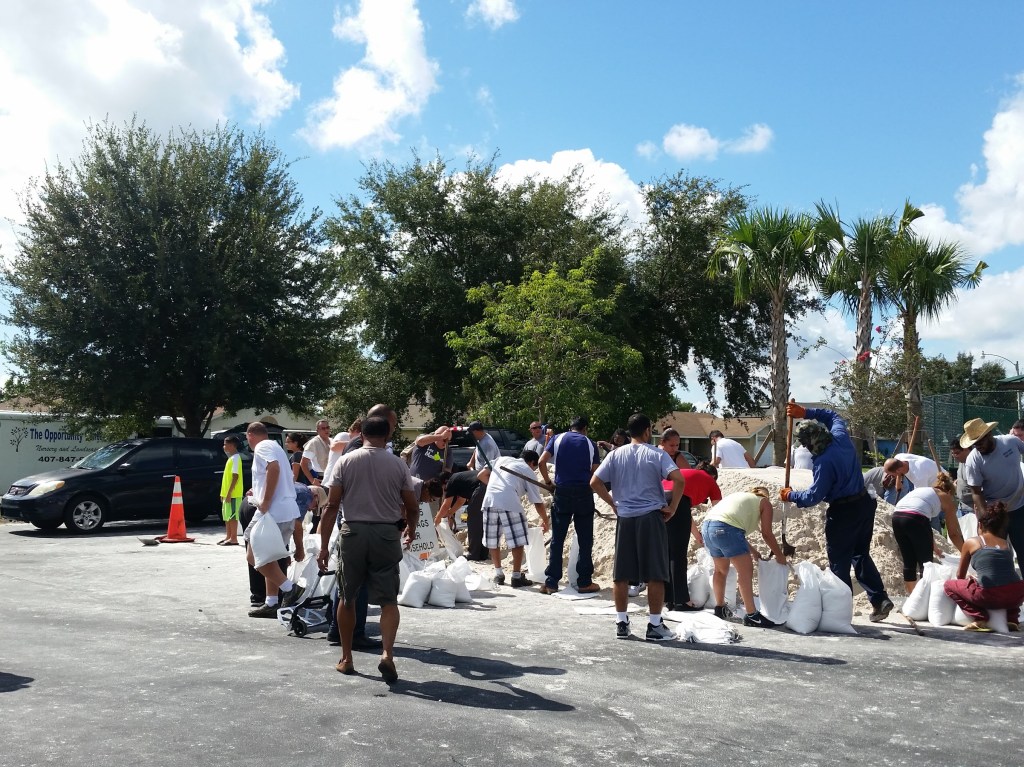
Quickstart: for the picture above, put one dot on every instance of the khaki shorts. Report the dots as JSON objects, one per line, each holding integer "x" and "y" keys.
{"x": 369, "y": 553}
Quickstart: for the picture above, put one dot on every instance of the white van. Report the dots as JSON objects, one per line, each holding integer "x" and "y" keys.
{"x": 29, "y": 445}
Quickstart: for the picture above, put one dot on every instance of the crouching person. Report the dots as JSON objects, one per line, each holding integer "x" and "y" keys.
{"x": 376, "y": 486}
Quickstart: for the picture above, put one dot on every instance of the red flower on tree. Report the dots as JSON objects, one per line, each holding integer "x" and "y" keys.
{"x": 863, "y": 356}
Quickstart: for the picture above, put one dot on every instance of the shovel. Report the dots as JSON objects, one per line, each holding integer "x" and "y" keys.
{"x": 787, "y": 548}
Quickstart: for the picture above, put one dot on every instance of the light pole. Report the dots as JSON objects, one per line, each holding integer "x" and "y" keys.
{"x": 1016, "y": 368}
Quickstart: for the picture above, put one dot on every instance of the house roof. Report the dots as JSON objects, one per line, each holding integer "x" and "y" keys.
{"x": 699, "y": 425}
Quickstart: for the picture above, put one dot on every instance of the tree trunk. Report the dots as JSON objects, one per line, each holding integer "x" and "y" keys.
{"x": 780, "y": 378}
{"x": 912, "y": 372}
{"x": 865, "y": 317}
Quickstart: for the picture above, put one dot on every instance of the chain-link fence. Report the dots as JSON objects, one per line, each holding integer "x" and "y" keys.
{"x": 946, "y": 414}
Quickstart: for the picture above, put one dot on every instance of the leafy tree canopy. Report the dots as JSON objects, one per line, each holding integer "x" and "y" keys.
{"x": 168, "y": 275}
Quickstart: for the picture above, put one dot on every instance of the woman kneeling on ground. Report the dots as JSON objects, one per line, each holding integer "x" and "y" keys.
{"x": 996, "y": 585}
{"x": 912, "y": 525}
{"x": 725, "y": 531}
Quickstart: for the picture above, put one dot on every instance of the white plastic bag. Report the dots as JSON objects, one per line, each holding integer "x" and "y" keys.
{"x": 916, "y": 605}
{"x": 442, "y": 591}
{"x": 960, "y": 617}
{"x": 805, "y": 609}
{"x": 459, "y": 571}
{"x": 417, "y": 589}
{"x": 698, "y": 585}
{"x": 536, "y": 559}
{"x": 836, "y": 605}
{"x": 449, "y": 541}
{"x": 574, "y": 558}
{"x": 266, "y": 542}
{"x": 997, "y": 621}
{"x": 968, "y": 526}
{"x": 941, "y": 608}
{"x": 773, "y": 588}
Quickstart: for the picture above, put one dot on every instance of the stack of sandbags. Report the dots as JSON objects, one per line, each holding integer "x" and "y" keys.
{"x": 436, "y": 584}
{"x": 822, "y": 603}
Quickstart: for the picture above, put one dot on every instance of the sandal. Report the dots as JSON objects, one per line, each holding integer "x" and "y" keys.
{"x": 979, "y": 626}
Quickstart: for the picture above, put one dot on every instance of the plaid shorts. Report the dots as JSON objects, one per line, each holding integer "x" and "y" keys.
{"x": 512, "y": 523}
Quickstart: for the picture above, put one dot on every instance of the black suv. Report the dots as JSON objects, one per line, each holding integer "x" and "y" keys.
{"x": 132, "y": 479}
{"x": 462, "y": 444}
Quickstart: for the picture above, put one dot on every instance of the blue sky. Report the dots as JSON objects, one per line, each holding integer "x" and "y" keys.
{"x": 863, "y": 105}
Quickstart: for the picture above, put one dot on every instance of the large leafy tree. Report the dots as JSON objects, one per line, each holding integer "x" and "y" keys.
{"x": 422, "y": 236}
{"x": 546, "y": 348}
{"x": 773, "y": 253}
{"x": 168, "y": 275}
{"x": 919, "y": 280}
{"x": 942, "y": 376}
{"x": 678, "y": 313}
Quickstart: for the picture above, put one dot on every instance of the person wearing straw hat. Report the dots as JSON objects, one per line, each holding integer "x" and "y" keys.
{"x": 850, "y": 518}
{"x": 993, "y": 472}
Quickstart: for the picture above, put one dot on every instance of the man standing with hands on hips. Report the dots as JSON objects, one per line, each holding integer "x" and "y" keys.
{"x": 850, "y": 518}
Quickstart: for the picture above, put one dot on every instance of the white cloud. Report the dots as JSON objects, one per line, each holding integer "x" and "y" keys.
{"x": 606, "y": 179}
{"x": 981, "y": 318}
{"x": 692, "y": 142}
{"x": 647, "y": 149}
{"x": 494, "y": 13}
{"x": 991, "y": 212}
{"x": 172, "y": 63}
{"x": 393, "y": 81}
{"x": 756, "y": 138}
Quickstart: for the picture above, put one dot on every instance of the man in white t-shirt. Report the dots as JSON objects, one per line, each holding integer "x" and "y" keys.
{"x": 316, "y": 454}
{"x": 920, "y": 470}
{"x": 503, "y": 511}
{"x": 273, "y": 493}
{"x": 728, "y": 453}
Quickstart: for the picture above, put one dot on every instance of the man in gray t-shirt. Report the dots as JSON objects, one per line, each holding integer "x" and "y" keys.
{"x": 430, "y": 454}
{"x": 993, "y": 472}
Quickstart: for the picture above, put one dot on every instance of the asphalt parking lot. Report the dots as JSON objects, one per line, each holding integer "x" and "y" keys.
{"x": 114, "y": 653}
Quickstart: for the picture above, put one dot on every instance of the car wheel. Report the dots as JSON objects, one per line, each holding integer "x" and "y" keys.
{"x": 49, "y": 524}
{"x": 85, "y": 514}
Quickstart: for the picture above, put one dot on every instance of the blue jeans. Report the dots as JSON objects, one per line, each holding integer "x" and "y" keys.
{"x": 724, "y": 541}
{"x": 572, "y": 505}
{"x": 848, "y": 529}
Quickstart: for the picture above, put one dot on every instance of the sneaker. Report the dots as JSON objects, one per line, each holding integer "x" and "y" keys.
{"x": 622, "y": 630}
{"x": 289, "y": 598}
{"x": 758, "y": 620}
{"x": 634, "y": 591}
{"x": 546, "y": 589}
{"x": 881, "y": 612}
{"x": 660, "y": 633}
{"x": 522, "y": 580}
{"x": 264, "y": 611}
{"x": 498, "y": 579}
{"x": 723, "y": 612}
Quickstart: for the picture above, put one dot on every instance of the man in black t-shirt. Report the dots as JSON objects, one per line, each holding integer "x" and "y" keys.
{"x": 464, "y": 487}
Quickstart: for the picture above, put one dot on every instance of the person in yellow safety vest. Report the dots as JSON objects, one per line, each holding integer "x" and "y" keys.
{"x": 231, "y": 490}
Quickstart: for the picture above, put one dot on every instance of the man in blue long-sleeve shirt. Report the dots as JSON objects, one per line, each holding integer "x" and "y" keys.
{"x": 850, "y": 518}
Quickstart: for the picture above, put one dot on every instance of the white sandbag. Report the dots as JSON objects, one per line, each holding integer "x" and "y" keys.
{"x": 410, "y": 564}
{"x": 451, "y": 544}
{"x": 574, "y": 558}
{"x": 916, "y": 605}
{"x": 997, "y": 621}
{"x": 442, "y": 591}
{"x": 476, "y": 582}
{"x": 536, "y": 556}
{"x": 940, "y": 607}
{"x": 698, "y": 585}
{"x": 836, "y": 605}
{"x": 805, "y": 609}
{"x": 968, "y": 525}
{"x": 960, "y": 617}
{"x": 459, "y": 571}
{"x": 707, "y": 563}
{"x": 773, "y": 585}
{"x": 266, "y": 542}
{"x": 416, "y": 591}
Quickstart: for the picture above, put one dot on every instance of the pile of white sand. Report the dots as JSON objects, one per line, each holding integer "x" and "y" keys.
{"x": 805, "y": 529}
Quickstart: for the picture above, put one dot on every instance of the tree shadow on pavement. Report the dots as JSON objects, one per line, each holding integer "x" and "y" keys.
{"x": 511, "y": 698}
{"x": 12, "y": 682}
{"x": 474, "y": 668}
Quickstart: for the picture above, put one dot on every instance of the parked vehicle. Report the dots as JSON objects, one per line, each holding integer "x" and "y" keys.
{"x": 509, "y": 442}
{"x": 127, "y": 480}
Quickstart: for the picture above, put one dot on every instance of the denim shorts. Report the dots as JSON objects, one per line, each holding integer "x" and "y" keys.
{"x": 722, "y": 540}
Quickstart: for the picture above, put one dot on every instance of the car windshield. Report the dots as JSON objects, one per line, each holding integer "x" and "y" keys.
{"x": 105, "y": 456}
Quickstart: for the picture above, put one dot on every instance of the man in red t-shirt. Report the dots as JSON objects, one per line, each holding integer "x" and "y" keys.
{"x": 701, "y": 487}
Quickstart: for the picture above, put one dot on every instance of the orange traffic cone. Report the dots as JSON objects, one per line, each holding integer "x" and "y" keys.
{"x": 176, "y": 523}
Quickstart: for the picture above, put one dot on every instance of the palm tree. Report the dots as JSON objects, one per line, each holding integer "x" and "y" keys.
{"x": 919, "y": 280}
{"x": 857, "y": 253}
{"x": 766, "y": 252}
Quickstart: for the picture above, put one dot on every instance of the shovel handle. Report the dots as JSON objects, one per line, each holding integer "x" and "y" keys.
{"x": 789, "y": 443}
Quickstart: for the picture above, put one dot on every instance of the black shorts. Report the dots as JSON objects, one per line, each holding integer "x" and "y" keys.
{"x": 641, "y": 549}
